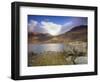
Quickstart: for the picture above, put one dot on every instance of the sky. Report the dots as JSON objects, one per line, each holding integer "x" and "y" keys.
{"x": 54, "y": 25}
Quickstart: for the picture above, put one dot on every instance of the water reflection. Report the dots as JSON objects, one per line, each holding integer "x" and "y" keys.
{"x": 39, "y": 48}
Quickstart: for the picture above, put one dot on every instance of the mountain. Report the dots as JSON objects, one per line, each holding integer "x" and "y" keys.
{"x": 38, "y": 37}
{"x": 79, "y": 28}
{"x": 78, "y": 33}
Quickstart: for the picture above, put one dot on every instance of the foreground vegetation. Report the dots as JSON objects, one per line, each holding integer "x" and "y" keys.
{"x": 67, "y": 57}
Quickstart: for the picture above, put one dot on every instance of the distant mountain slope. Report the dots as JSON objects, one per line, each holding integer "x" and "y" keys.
{"x": 76, "y": 33}
{"x": 79, "y": 28}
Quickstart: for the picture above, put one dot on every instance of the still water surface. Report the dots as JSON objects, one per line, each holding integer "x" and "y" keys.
{"x": 38, "y": 48}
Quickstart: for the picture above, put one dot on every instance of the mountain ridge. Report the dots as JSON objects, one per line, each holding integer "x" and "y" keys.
{"x": 78, "y": 33}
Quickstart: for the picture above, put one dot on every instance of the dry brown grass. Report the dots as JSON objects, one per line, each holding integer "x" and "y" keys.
{"x": 48, "y": 59}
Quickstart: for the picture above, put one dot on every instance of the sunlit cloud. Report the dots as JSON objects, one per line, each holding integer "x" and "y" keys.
{"x": 32, "y": 25}
{"x": 51, "y": 27}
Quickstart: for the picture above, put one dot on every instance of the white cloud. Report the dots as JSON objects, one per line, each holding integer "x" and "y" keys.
{"x": 56, "y": 29}
{"x": 51, "y": 27}
{"x": 67, "y": 27}
{"x": 32, "y": 25}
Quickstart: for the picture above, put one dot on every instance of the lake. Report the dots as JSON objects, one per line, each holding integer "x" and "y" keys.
{"x": 39, "y": 48}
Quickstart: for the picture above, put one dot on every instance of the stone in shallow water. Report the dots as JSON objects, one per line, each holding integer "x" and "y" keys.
{"x": 81, "y": 60}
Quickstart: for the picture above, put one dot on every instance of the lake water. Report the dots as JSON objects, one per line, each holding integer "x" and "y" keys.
{"x": 39, "y": 48}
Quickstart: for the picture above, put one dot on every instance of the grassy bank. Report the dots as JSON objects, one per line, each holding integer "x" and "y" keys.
{"x": 47, "y": 59}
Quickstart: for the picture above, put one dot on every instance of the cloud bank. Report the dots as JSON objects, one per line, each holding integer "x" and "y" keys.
{"x": 50, "y": 27}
